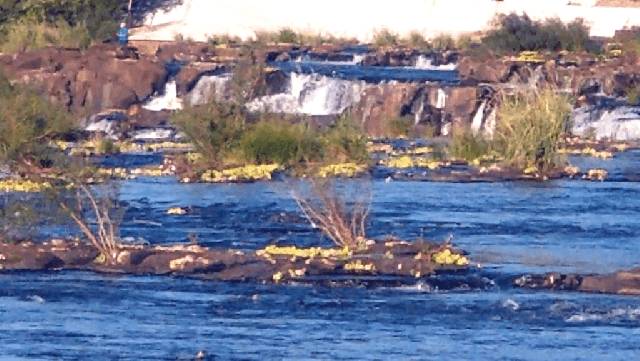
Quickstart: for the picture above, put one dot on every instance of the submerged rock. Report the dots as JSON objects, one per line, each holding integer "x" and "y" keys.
{"x": 622, "y": 282}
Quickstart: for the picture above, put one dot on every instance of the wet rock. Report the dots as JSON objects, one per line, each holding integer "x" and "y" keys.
{"x": 189, "y": 75}
{"x": 622, "y": 282}
{"x": 488, "y": 70}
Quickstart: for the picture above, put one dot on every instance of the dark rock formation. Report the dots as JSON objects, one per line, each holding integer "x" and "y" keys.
{"x": 622, "y": 282}
{"x": 395, "y": 261}
{"x": 86, "y": 82}
{"x": 428, "y": 104}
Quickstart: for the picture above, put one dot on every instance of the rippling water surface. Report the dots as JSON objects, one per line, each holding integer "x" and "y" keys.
{"x": 510, "y": 228}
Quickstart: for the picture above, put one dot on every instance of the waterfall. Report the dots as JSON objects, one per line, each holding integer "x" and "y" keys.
{"x": 358, "y": 58}
{"x": 441, "y": 102}
{"x": 490, "y": 123}
{"x": 476, "y": 124}
{"x": 426, "y": 63}
{"x": 208, "y": 88}
{"x": 167, "y": 101}
{"x": 311, "y": 94}
{"x": 618, "y": 123}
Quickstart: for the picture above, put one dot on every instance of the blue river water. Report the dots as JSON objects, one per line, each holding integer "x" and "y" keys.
{"x": 508, "y": 228}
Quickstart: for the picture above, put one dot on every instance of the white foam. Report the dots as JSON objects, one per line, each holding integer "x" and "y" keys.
{"x": 153, "y": 134}
{"x": 511, "y": 304}
{"x": 311, "y": 94}
{"x": 478, "y": 118}
{"x": 631, "y": 314}
{"x": 167, "y": 101}
{"x": 426, "y": 63}
{"x": 620, "y": 123}
{"x": 208, "y": 88}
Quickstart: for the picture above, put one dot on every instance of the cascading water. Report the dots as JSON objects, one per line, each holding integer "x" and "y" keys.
{"x": 426, "y": 63}
{"x": 167, "y": 101}
{"x": 209, "y": 87}
{"x": 311, "y": 94}
{"x": 619, "y": 123}
{"x": 476, "y": 124}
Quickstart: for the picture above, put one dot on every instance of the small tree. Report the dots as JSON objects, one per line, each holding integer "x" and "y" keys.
{"x": 98, "y": 217}
{"x": 27, "y": 123}
{"x": 214, "y": 128}
{"x": 324, "y": 206}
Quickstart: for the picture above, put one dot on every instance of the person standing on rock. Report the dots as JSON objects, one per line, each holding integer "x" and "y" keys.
{"x": 123, "y": 35}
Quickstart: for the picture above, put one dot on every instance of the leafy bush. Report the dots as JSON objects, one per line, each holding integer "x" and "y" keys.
{"x": 286, "y": 35}
{"x": 92, "y": 19}
{"x": 443, "y": 42}
{"x": 384, "y": 38}
{"x": 415, "y": 40}
{"x": 28, "y": 35}
{"x": 214, "y": 129}
{"x": 519, "y": 33}
{"x": 345, "y": 141}
{"x": 27, "y": 122}
{"x": 529, "y": 128}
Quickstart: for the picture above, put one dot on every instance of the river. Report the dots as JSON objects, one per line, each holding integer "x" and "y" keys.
{"x": 509, "y": 228}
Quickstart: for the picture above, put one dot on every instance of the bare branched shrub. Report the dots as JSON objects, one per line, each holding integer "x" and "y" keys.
{"x": 324, "y": 205}
{"x": 93, "y": 215}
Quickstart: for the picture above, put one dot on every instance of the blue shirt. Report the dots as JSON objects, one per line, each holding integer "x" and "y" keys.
{"x": 123, "y": 35}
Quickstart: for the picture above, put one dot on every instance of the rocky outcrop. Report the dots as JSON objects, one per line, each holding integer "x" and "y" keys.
{"x": 427, "y": 104}
{"x": 622, "y": 282}
{"x": 580, "y": 74}
{"x": 86, "y": 82}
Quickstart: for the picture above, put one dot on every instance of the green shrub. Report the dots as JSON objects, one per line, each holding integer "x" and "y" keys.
{"x": 223, "y": 39}
{"x": 288, "y": 36}
{"x": 385, "y": 38}
{"x": 280, "y": 142}
{"x": 515, "y": 33}
{"x": 27, "y": 123}
{"x": 214, "y": 129}
{"x": 466, "y": 145}
{"x": 29, "y": 35}
{"x": 345, "y": 141}
{"x": 399, "y": 127}
{"x": 443, "y": 42}
{"x": 529, "y": 128}
{"x": 99, "y": 17}
{"x": 415, "y": 40}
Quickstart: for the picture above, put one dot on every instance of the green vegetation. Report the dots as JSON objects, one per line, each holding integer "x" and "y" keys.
{"x": 527, "y": 134}
{"x": 224, "y": 137}
{"x": 385, "y": 38}
{"x": 633, "y": 95}
{"x": 416, "y": 40}
{"x": 467, "y": 145}
{"x": 443, "y": 42}
{"x": 399, "y": 127}
{"x": 514, "y": 33}
{"x": 280, "y": 142}
{"x": 214, "y": 129}
{"x": 27, "y": 123}
{"x": 288, "y": 36}
{"x": 530, "y": 127}
{"x": 28, "y": 35}
{"x": 31, "y": 24}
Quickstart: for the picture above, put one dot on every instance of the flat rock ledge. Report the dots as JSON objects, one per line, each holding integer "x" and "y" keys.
{"x": 395, "y": 262}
